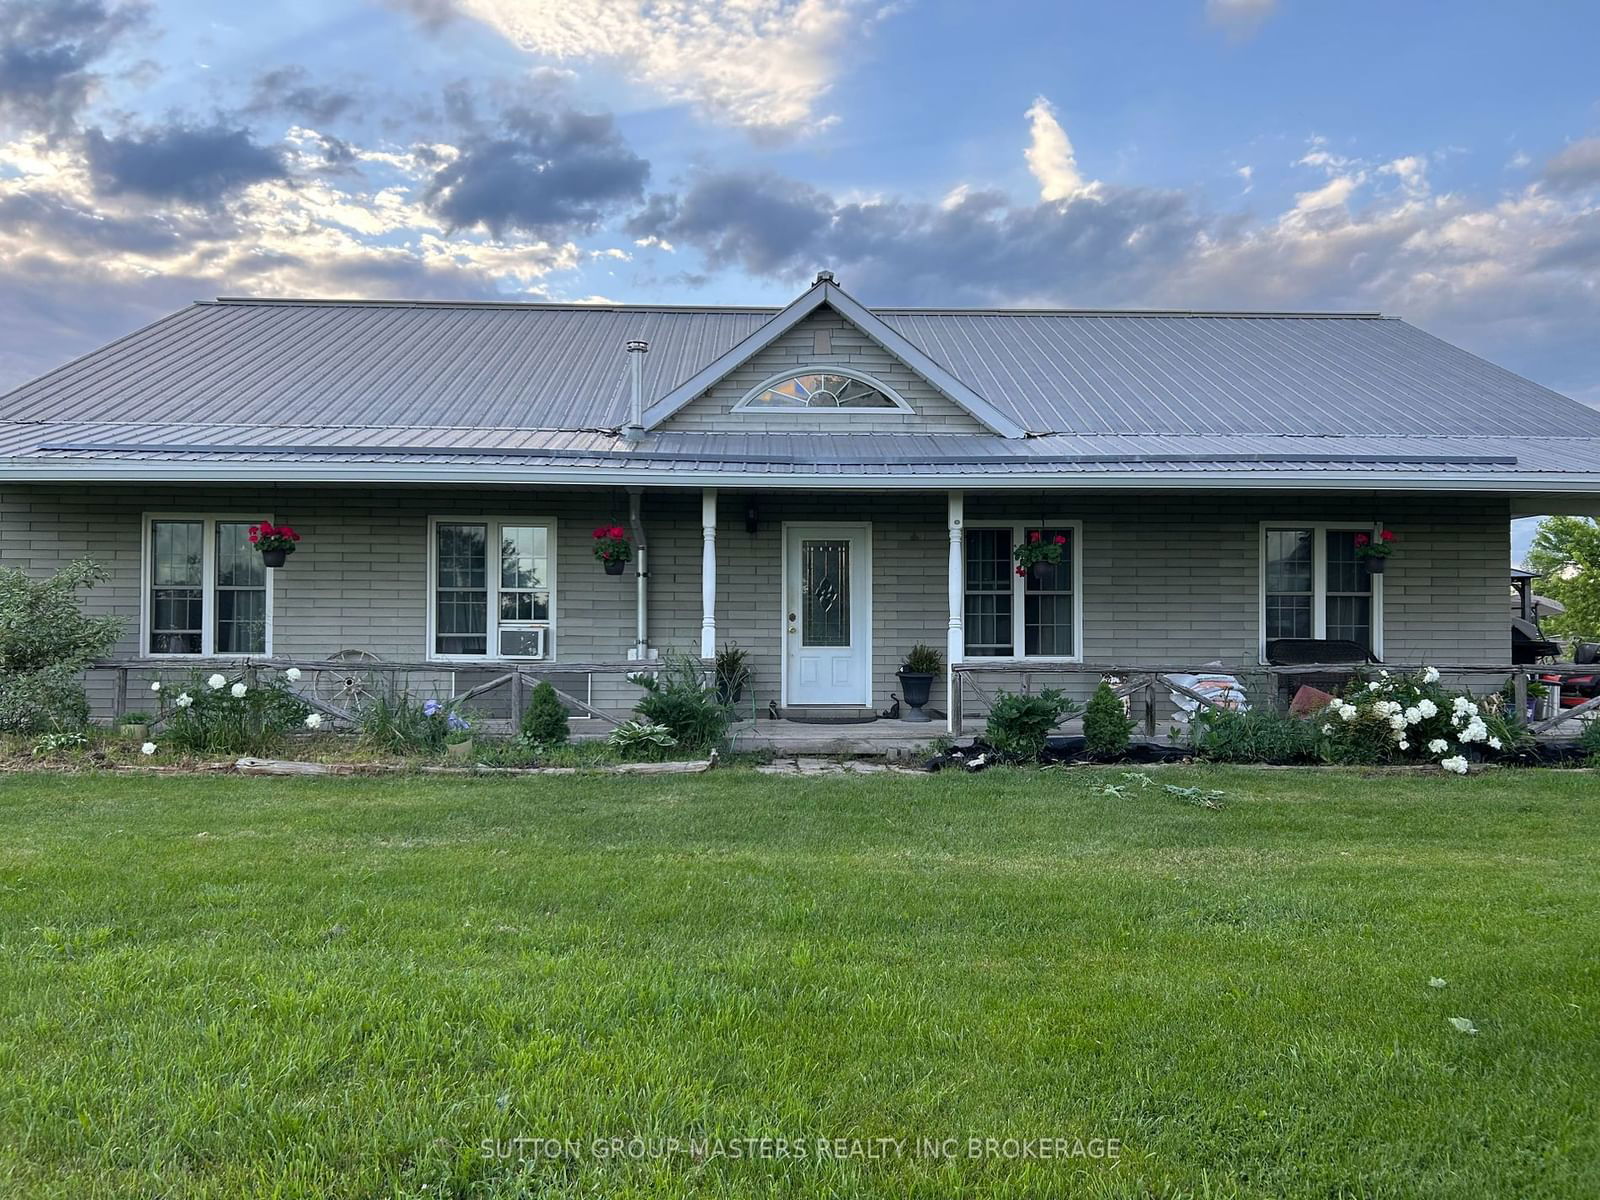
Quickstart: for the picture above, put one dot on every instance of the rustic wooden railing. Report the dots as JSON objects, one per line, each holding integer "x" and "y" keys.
{"x": 1145, "y": 681}
{"x": 517, "y": 677}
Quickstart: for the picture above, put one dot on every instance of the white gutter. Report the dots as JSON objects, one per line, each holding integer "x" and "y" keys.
{"x": 44, "y": 470}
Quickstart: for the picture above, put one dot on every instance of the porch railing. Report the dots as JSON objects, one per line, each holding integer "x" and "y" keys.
{"x": 1142, "y": 683}
{"x": 336, "y": 688}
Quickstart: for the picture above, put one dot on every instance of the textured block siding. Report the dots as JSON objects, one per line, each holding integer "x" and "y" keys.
{"x": 933, "y": 412}
{"x": 1166, "y": 578}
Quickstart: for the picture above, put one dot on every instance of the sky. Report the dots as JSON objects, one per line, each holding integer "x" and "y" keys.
{"x": 1440, "y": 163}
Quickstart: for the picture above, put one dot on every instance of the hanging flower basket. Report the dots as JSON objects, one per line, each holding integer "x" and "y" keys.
{"x": 275, "y": 542}
{"x": 612, "y": 549}
{"x": 1037, "y": 554}
{"x": 1373, "y": 552}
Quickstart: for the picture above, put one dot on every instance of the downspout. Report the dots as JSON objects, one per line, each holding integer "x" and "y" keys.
{"x": 641, "y": 568}
{"x": 634, "y": 432}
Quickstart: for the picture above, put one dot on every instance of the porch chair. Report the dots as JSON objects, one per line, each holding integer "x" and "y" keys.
{"x": 1304, "y": 652}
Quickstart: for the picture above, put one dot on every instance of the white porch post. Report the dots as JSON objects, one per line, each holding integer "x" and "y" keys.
{"x": 956, "y": 641}
{"x": 708, "y": 573}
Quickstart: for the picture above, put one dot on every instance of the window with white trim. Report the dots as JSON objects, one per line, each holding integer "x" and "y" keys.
{"x": 205, "y": 590}
{"x": 1314, "y": 585}
{"x": 492, "y": 587}
{"x": 1036, "y": 614}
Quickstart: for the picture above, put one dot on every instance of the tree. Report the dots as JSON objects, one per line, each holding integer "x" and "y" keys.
{"x": 1566, "y": 550}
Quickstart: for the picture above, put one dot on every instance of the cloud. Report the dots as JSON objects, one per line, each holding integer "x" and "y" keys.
{"x": 541, "y": 173}
{"x": 79, "y": 267}
{"x": 761, "y": 65}
{"x": 1240, "y": 19}
{"x": 1050, "y": 155}
{"x": 1577, "y": 166}
{"x": 758, "y": 221}
{"x": 47, "y": 50}
{"x": 289, "y": 90}
{"x": 1517, "y": 276}
{"x": 189, "y": 164}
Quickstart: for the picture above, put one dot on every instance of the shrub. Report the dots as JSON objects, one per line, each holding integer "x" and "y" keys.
{"x": 401, "y": 725}
{"x": 923, "y": 660}
{"x": 1106, "y": 724}
{"x": 1393, "y": 718}
{"x": 51, "y": 698}
{"x": 210, "y": 716}
{"x": 45, "y": 641}
{"x": 136, "y": 716}
{"x": 678, "y": 697}
{"x": 1257, "y": 736}
{"x": 1019, "y": 726}
{"x": 544, "y": 722}
{"x": 1590, "y": 740}
{"x": 732, "y": 673}
{"x": 641, "y": 739}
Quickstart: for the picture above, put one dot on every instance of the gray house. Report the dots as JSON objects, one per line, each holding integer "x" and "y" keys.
{"x": 825, "y": 485}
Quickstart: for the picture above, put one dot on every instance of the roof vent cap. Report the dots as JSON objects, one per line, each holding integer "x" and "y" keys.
{"x": 824, "y": 277}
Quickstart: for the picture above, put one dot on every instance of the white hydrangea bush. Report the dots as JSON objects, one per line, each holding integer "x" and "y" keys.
{"x": 1415, "y": 718}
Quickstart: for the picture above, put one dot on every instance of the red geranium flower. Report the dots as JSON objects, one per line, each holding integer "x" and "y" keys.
{"x": 1022, "y": 571}
{"x": 1387, "y": 535}
{"x": 1034, "y": 536}
{"x": 1061, "y": 539}
{"x": 1362, "y": 539}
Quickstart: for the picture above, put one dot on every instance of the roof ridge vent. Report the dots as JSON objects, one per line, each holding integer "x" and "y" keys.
{"x": 824, "y": 277}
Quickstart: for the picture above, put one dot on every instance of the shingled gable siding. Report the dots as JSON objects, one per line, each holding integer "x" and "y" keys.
{"x": 849, "y": 347}
{"x": 1167, "y": 578}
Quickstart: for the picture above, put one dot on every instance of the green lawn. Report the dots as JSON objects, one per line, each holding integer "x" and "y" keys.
{"x": 230, "y": 987}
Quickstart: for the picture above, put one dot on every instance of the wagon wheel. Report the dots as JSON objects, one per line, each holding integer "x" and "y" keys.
{"x": 349, "y": 680}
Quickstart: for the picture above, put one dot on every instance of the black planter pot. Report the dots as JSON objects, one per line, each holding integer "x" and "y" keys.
{"x": 1042, "y": 569}
{"x": 273, "y": 558}
{"x": 1375, "y": 566}
{"x": 915, "y": 688}
{"x": 614, "y": 566}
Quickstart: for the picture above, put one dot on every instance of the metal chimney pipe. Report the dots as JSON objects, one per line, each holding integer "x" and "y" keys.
{"x": 637, "y": 349}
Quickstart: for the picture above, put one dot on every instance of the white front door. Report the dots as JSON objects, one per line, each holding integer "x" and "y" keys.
{"x": 827, "y": 596}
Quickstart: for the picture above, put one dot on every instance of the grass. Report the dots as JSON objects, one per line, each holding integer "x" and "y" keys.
{"x": 224, "y": 987}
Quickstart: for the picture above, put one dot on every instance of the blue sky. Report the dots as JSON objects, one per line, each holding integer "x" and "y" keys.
{"x": 1440, "y": 163}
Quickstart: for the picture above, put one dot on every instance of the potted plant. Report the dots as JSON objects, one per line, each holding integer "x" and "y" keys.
{"x": 1038, "y": 555}
{"x": 922, "y": 663}
{"x": 612, "y": 548}
{"x": 135, "y": 726}
{"x": 458, "y": 736}
{"x": 1373, "y": 551}
{"x": 731, "y": 673}
{"x": 275, "y": 542}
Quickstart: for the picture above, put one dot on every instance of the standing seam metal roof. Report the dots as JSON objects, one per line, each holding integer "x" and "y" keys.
{"x": 392, "y": 364}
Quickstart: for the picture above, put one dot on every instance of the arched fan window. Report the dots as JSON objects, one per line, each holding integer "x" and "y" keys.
{"x": 829, "y": 389}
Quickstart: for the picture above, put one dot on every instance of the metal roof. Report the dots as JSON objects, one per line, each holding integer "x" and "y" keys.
{"x": 551, "y": 367}
{"x": 691, "y": 454}
{"x": 525, "y": 386}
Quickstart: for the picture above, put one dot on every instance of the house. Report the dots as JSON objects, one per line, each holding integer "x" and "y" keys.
{"x": 824, "y": 485}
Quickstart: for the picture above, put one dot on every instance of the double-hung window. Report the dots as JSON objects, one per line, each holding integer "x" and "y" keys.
{"x": 492, "y": 587}
{"x": 205, "y": 589}
{"x": 1314, "y": 585}
{"x": 1037, "y": 614}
